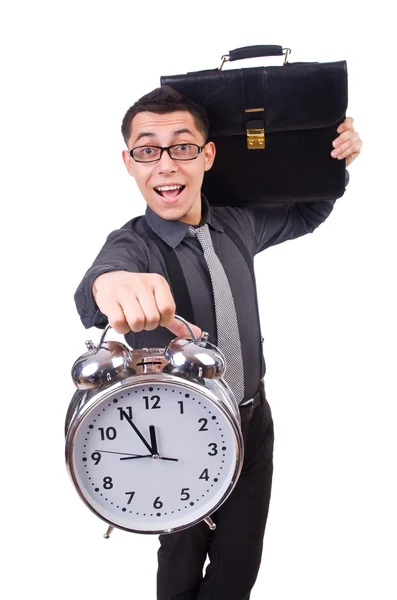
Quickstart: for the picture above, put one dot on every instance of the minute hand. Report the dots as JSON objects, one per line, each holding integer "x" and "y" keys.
{"x": 127, "y": 418}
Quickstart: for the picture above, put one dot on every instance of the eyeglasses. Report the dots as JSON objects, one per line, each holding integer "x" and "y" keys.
{"x": 148, "y": 154}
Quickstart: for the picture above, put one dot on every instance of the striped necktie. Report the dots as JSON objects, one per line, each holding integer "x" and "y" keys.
{"x": 225, "y": 312}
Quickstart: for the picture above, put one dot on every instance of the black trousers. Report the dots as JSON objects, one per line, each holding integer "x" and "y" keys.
{"x": 234, "y": 548}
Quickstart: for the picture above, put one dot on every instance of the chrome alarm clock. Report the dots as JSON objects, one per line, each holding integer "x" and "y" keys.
{"x": 153, "y": 436}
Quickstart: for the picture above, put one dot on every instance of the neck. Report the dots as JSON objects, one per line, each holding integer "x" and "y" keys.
{"x": 194, "y": 216}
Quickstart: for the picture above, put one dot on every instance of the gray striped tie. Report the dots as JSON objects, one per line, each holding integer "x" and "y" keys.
{"x": 225, "y": 311}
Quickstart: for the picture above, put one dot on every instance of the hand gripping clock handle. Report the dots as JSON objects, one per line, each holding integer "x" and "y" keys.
{"x": 186, "y": 324}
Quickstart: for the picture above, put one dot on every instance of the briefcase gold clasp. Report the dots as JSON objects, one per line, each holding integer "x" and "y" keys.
{"x": 255, "y": 139}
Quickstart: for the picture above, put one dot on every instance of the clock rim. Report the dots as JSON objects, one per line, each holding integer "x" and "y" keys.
{"x": 95, "y": 396}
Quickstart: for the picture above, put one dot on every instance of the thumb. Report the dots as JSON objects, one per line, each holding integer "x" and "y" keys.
{"x": 179, "y": 329}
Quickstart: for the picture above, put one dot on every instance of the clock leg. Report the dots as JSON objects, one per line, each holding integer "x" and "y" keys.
{"x": 210, "y": 523}
{"x": 108, "y": 532}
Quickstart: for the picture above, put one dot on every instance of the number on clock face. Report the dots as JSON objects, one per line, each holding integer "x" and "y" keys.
{"x": 153, "y": 457}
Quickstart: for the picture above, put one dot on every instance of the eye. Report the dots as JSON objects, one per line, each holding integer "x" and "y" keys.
{"x": 146, "y": 153}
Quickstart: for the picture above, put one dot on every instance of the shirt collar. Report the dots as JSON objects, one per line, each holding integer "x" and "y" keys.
{"x": 173, "y": 232}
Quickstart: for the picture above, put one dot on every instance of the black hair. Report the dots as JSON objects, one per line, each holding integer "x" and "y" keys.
{"x": 165, "y": 100}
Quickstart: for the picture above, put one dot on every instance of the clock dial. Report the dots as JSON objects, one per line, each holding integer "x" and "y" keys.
{"x": 155, "y": 456}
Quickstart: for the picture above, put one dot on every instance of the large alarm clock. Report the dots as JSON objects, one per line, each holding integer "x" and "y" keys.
{"x": 153, "y": 436}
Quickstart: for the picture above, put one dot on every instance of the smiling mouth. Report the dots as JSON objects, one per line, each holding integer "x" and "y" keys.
{"x": 169, "y": 191}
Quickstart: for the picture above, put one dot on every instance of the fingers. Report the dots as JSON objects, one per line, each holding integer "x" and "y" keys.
{"x": 348, "y": 144}
{"x": 133, "y": 316}
{"x": 146, "y": 302}
{"x": 347, "y": 123}
{"x": 103, "y": 289}
{"x": 138, "y": 301}
{"x": 164, "y": 301}
{"x": 166, "y": 307}
{"x": 114, "y": 312}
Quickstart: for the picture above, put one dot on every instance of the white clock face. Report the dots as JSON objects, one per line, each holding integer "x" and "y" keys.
{"x": 154, "y": 457}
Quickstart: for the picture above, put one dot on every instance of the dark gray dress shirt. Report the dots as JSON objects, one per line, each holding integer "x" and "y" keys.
{"x": 131, "y": 249}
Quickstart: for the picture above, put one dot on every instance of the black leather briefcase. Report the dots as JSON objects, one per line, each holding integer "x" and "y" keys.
{"x": 273, "y": 128}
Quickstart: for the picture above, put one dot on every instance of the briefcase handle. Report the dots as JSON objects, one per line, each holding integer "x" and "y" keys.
{"x": 255, "y": 51}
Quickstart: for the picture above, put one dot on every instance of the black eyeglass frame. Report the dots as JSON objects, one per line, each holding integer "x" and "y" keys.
{"x": 168, "y": 148}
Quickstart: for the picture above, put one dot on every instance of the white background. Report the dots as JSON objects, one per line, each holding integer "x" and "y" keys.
{"x": 69, "y": 71}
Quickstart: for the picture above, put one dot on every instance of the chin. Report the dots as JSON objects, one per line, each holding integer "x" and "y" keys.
{"x": 170, "y": 213}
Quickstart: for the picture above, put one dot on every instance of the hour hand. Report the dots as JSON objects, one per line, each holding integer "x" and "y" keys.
{"x": 153, "y": 439}
{"x": 132, "y": 456}
{"x": 155, "y": 450}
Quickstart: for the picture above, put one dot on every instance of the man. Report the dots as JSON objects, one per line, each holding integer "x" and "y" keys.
{"x": 130, "y": 286}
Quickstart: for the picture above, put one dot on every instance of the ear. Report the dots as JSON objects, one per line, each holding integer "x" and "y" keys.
{"x": 127, "y": 159}
{"x": 209, "y": 152}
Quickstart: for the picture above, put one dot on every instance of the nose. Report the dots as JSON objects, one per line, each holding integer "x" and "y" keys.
{"x": 166, "y": 164}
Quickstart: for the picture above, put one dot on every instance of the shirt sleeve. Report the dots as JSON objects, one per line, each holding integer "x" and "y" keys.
{"x": 269, "y": 224}
{"x": 274, "y": 224}
{"x": 124, "y": 250}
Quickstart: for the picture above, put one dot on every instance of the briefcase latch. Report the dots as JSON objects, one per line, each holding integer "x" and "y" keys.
{"x": 255, "y": 135}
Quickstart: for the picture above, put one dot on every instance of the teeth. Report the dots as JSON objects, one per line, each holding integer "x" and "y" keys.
{"x": 167, "y": 188}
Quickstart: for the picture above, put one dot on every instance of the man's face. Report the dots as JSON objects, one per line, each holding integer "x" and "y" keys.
{"x": 183, "y": 203}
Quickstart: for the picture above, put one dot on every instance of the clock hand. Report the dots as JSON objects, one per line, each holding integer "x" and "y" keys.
{"x": 153, "y": 440}
{"x": 136, "y": 456}
{"x": 127, "y": 418}
{"x": 149, "y": 456}
{"x": 129, "y": 456}
{"x": 126, "y": 453}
